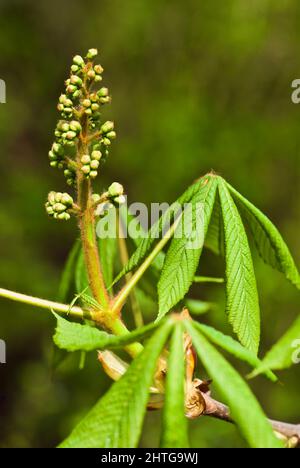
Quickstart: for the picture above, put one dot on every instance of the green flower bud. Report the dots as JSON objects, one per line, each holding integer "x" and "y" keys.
{"x": 75, "y": 80}
{"x": 103, "y": 92}
{"x": 93, "y": 174}
{"x": 59, "y": 207}
{"x": 71, "y": 135}
{"x": 91, "y": 74}
{"x": 96, "y": 198}
{"x": 75, "y": 68}
{"x": 86, "y": 103}
{"x": 49, "y": 210}
{"x": 94, "y": 97}
{"x": 95, "y": 107}
{"x": 88, "y": 111}
{"x": 107, "y": 126}
{"x": 60, "y": 107}
{"x": 78, "y": 60}
{"x": 64, "y": 127}
{"x": 98, "y": 69}
{"x": 68, "y": 173}
{"x": 86, "y": 169}
{"x": 71, "y": 89}
{"x": 75, "y": 126}
{"x": 98, "y": 78}
{"x": 94, "y": 164}
{"x": 53, "y": 163}
{"x": 105, "y": 100}
{"x": 96, "y": 155}
{"x": 111, "y": 135}
{"x": 52, "y": 197}
{"x": 85, "y": 159}
{"x": 58, "y": 149}
{"x": 115, "y": 189}
{"x": 106, "y": 141}
{"x": 70, "y": 182}
{"x": 66, "y": 199}
{"x": 52, "y": 156}
{"x": 58, "y": 196}
{"x": 92, "y": 53}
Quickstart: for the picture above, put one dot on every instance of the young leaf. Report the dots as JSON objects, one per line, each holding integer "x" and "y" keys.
{"x": 242, "y": 299}
{"x": 182, "y": 259}
{"x": 268, "y": 240}
{"x": 158, "y": 227}
{"x": 68, "y": 272}
{"x": 214, "y": 239}
{"x": 116, "y": 420}
{"x": 284, "y": 353}
{"x": 233, "y": 347}
{"x": 244, "y": 408}
{"x": 76, "y": 337}
{"x": 174, "y": 428}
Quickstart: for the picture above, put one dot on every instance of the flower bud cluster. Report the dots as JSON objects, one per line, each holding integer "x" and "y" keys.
{"x": 59, "y": 205}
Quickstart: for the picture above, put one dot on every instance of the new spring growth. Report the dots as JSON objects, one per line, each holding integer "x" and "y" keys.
{"x": 80, "y": 105}
{"x": 59, "y": 205}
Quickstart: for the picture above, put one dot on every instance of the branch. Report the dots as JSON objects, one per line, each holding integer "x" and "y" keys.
{"x": 218, "y": 410}
{"x": 73, "y": 311}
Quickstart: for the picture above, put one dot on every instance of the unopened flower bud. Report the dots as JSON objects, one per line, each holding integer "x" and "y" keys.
{"x": 94, "y": 164}
{"x": 85, "y": 169}
{"x": 75, "y": 80}
{"x": 120, "y": 200}
{"x": 115, "y": 189}
{"x": 103, "y": 92}
{"x": 75, "y": 126}
{"x": 107, "y": 126}
{"x": 86, "y": 103}
{"x": 93, "y": 174}
{"x": 111, "y": 135}
{"x": 85, "y": 159}
{"x": 66, "y": 199}
{"x": 71, "y": 135}
{"x": 78, "y": 60}
{"x": 92, "y": 53}
{"x": 91, "y": 74}
{"x": 96, "y": 155}
{"x": 98, "y": 69}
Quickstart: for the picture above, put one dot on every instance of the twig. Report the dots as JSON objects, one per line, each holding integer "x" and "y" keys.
{"x": 218, "y": 410}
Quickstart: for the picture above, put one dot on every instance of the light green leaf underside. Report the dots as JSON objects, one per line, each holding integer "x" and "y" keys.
{"x": 244, "y": 408}
{"x": 174, "y": 422}
{"x": 242, "y": 304}
{"x": 182, "y": 259}
{"x": 158, "y": 228}
{"x": 233, "y": 347}
{"x": 214, "y": 239}
{"x": 284, "y": 353}
{"x": 268, "y": 240}
{"x": 197, "y": 307}
{"x": 116, "y": 420}
{"x": 76, "y": 337}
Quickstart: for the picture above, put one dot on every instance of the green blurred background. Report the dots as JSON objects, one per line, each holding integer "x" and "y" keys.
{"x": 196, "y": 86}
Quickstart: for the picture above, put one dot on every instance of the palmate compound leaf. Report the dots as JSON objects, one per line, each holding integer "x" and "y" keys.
{"x": 158, "y": 228}
{"x": 268, "y": 240}
{"x": 76, "y": 337}
{"x": 244, "y": 408}
{"x": 183, "y": 256}
{"x": 116, "y": 420}
{"x": 233, "y": 347}
{"x": 174, "y": 423}
{"x": 242, "y": 303}
{"x": 284, "y": 353}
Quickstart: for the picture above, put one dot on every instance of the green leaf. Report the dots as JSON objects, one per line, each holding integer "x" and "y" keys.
{"x": 116, "y": 420}
{"x": 233, "y": 347}
{"x": 268, "y": 240}
{"x": 174, "y": 427}
{"x": 284, "y": 353}
{"x": 208, "y": 279}
{"x": 242, "y": 299}
{"x": 214, "y": 239}
{"x": 68, "y": 273}
{"x": 182, "y": 259}
{"x": 107, "y": 253}
{"x": 158, "y": 227}
{"x": 244, "y": 408}
{"x": 76, "y": 337}
{"x": 196, "y": 307}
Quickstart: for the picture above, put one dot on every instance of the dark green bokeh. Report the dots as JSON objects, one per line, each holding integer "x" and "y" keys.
{"x": 195, "y": 86}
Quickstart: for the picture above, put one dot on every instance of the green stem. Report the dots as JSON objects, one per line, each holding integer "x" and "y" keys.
{"x": 73, "y": 311}
{"x": 208, "y": 279}
{"x": 125, "y": 292}
{"x": 135, "y": 307}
